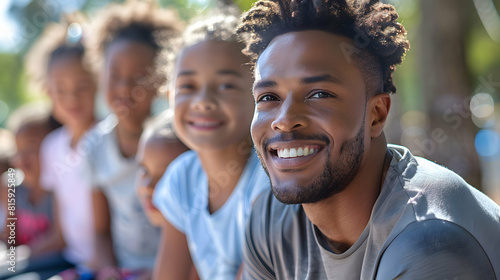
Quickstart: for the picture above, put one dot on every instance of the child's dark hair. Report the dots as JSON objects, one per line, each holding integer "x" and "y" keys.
{"x": 58, "y": 40}
{"x": 383, "y": 39}
{"x": 219, "y": 24}
{"x": 160, "y": 127}
{"x": 36, "y": 114}
{"x": 137, "y": 21}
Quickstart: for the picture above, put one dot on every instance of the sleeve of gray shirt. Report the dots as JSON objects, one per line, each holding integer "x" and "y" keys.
{"x": 256, "y": 251}
{"x": 434, "y": 249}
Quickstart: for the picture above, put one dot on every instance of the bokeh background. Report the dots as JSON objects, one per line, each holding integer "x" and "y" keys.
{"x": 447, "y": 107}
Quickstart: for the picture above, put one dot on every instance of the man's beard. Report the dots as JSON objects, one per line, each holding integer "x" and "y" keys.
{"x": 333, "y": 180}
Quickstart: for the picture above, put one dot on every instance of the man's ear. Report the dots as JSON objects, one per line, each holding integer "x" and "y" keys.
{"x": 378, "y": 110}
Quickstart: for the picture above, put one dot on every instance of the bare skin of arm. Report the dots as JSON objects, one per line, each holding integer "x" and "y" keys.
{"x": 174, "y": 260}
{"x": 239, "y": 276}
{"x": 103, "y": 250}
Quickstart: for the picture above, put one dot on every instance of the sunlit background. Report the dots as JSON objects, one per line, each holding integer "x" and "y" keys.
{"x": 447, "y": 105}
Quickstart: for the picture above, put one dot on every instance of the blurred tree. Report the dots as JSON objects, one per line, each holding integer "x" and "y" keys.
{"x": 446, "y": 87}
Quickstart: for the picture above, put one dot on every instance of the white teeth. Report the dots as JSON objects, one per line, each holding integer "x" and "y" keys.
{"x": 285, "y": 153}
{"x": 296, "y": 152}
{"x": 205, "y": 124}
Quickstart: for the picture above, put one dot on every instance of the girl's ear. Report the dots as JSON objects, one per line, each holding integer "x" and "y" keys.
{"x": 378, "y": 109}
{"x": 170, "y": 93}
{"x": 170, "y": 98}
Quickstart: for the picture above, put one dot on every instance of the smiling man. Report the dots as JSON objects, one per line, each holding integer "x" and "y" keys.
{"x": 347, "y": 205}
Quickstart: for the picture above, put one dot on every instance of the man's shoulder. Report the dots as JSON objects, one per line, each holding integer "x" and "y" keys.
{"x": 429, "y": 185}
{"x": 444, "y": 191}
{"x": 417, "y": 170}
{"x": 435, "y": 248}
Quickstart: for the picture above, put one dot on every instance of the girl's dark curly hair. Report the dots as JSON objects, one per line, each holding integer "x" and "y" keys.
{"x": 58, "y": 40}
{"x": 133, "y": 21}
{"x": 370, "y": 24}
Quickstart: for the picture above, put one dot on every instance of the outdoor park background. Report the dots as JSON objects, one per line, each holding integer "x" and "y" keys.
{"x": 447, "y": 108}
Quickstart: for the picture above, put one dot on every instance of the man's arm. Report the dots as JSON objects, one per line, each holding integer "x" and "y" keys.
{"x": 435, "y": 249}
{"x": 174, "y": 260}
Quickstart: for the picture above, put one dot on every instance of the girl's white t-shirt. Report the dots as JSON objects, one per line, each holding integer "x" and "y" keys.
{"x": 61, "y": 173}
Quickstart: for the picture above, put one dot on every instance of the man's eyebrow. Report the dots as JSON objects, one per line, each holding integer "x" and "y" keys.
{"x": 264, "y": 84}
{"x": 321, "y": 78}
{"x": 229, "y": 72}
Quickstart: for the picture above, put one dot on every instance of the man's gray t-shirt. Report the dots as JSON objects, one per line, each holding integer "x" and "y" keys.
{"x": 427, "y": 223}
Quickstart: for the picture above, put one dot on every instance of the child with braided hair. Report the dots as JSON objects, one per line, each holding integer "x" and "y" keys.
{"x": 343, "y": 203}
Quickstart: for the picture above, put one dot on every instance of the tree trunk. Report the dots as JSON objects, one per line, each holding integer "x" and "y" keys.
{"x": 447, "y": 89}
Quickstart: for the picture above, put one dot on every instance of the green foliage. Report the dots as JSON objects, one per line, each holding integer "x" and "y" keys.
{"x": 10, "y": 74}
{"x": 186, "y": 9}
{"x": 483, "y": 54}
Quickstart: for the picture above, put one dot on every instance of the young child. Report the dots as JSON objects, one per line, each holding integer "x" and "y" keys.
{"x": 34, "y": 205}
{"x": 63, "y": 74}
{"x": 158, "y": 147}
{"x": 7, "y": 149}
{"x": 36, "y": 222}
{"x": 126, "y": 39}
{"x": 206, "y": 194}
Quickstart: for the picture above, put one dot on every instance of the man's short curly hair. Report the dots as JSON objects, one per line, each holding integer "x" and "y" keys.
{"x": 376, "y": 23}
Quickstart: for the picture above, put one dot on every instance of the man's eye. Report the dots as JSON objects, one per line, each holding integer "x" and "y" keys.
{"x": 267, "y": 97}
{"x": 322, "y": 94}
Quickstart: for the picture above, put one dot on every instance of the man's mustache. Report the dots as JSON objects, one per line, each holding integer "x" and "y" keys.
{"x": 294, "y": 136}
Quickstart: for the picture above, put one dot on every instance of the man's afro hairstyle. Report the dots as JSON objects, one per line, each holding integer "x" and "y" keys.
{"x": 384, "y": 37}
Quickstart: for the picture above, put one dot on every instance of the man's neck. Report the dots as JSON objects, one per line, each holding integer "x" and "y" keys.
{"x": 342, "y": 217}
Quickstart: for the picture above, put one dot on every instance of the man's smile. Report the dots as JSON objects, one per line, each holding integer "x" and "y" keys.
{"x": 294, "y": 155}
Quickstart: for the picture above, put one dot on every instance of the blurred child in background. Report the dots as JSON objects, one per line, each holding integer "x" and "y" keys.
{"x": 7, "y": 150}
{"x": 36, "y": 223}
{"x": 158, "y": 146}
{"x": 126, "y": 41}
{"x": 57, "y": 63}
{"x": 207, "y": 194}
